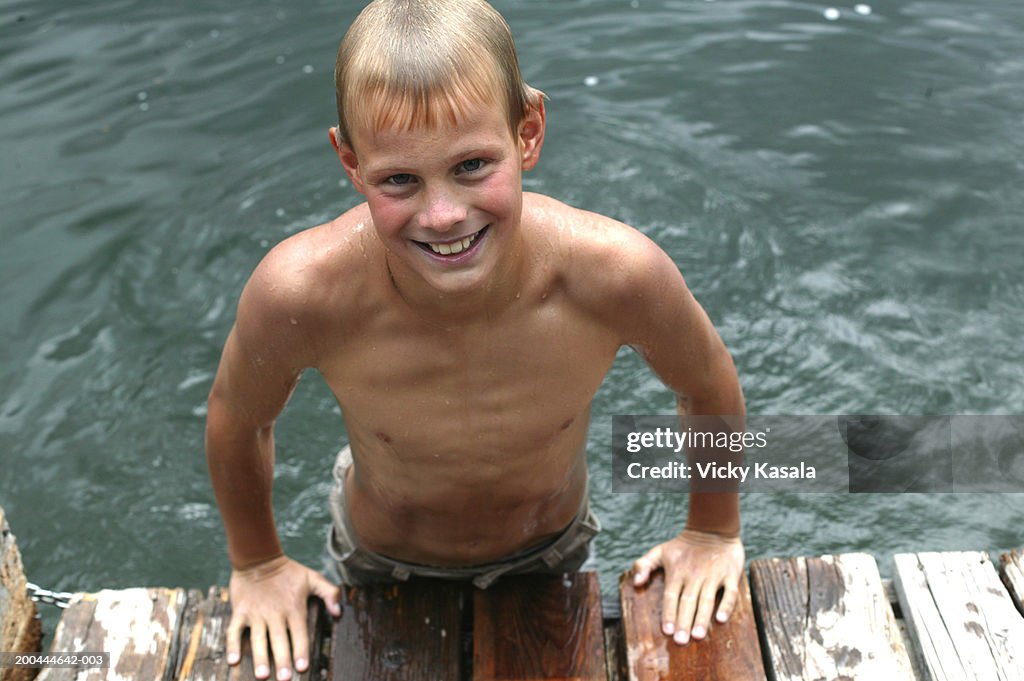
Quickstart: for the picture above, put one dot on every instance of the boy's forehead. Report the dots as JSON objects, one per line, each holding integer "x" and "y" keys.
{"x": 474, "y": 126}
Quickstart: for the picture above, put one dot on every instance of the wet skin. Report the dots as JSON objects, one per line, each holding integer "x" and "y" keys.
{"x": 464, "y": 327}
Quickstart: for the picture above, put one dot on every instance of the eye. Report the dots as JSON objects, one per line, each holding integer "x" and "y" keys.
{"x": 400, "y": 179}
{"x": 472, "y": 165}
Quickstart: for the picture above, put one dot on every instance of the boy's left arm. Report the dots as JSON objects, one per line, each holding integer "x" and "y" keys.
{"x": 673, "y": 334}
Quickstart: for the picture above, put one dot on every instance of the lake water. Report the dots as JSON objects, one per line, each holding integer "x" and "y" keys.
{"x": 841, "y": 189}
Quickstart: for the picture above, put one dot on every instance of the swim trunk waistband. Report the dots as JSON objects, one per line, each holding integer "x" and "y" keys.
{"x": 359, "y": 566}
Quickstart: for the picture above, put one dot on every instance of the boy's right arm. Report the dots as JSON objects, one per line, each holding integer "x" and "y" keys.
{"x": 263, "y": 357}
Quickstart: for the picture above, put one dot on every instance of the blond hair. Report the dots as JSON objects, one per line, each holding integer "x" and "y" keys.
{"x": 411, "y": 63}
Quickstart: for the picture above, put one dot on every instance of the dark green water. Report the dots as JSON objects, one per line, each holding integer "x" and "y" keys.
{"x": 838, "y": 193}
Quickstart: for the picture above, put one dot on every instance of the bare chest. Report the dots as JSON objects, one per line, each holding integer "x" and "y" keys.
{"x": 511, "y": 385}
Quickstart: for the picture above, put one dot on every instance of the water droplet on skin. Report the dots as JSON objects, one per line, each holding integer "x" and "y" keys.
{"x": 831, "y": 14}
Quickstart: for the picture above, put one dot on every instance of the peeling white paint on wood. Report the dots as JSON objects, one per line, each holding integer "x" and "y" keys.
{"x": 961, "y": 616}
{"x": 829, "y": 618}
{"x": 135, "y": 626}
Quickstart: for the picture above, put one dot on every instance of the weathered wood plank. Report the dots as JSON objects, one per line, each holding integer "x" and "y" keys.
{"x": 828, "y": 618}
{"x": 961, "y": 616}
{"x": 1011, "y": 571}
{"x": 19, "y": 627}
{"x": 136, "y": 626}
{"x": 730, "y": 652}
{"x": 402, "y": 632}
{"x": 201, "y": 653}
{"x": 533, "y": 627}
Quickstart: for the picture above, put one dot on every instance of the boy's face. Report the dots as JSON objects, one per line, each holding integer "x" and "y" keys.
{"x": 446, "y": 201}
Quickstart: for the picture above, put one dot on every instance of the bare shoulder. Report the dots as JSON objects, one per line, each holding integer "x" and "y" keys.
{"x": 604, "y": 263}
{"x": 306, "y": 280}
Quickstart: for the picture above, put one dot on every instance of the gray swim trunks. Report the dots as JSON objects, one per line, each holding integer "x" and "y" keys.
{"x": 359, "y": 566}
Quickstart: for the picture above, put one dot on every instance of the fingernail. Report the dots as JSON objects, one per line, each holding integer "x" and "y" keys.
{"x": 261, "y": 670}
{"x": 682, "y": 636}
{"x": 698, "y": 632}
{"x": 232, "y": 658}
{"x": 668, "y": 628}
{"x": 300, "y": 664}
{"x": 283, "y": 674}
{"x": 721, "y": 616}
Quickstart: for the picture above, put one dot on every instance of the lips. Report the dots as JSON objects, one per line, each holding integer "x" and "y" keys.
{"x": 452, "y": 248}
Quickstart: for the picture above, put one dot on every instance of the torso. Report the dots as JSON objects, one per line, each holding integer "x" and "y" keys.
{"x": 468, "y": 439}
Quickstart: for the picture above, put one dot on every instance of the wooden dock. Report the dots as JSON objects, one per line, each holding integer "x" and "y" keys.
{"x": 945, "y": 616}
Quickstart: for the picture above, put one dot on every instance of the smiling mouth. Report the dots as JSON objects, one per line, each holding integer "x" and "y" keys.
{"x": 453, "y": 247}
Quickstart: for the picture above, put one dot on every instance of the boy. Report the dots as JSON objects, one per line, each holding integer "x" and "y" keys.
{"x": 464, "y": 327}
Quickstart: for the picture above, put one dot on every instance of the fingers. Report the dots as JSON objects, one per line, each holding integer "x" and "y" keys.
{"x": 258, "y": 641}
{"x": 647, "y": 564}
{"x": 706, "y": 603}
{"x": 685, "y": 612}
{"x": 282, "y": 651}
{"x": 300, "y": 642}
{"x": 729, "y": 599}
{"x": 327, "y": 592}
{"x": 234, "y": 639}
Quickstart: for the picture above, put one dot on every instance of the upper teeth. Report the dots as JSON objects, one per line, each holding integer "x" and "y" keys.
{"x": 455, "y": 246}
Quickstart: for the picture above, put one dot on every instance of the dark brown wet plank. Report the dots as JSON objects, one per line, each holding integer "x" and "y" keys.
{"x": 961, "y": 616}
{"x": 406, "y": 632}
{"x": 828, "y": 617}
{"x": 138, "y": 627}
{"x": 730, "y": 652}
{"x": 534, "y": 627}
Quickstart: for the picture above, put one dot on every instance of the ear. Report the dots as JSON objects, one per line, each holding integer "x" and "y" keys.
{"x": 349, "y": 160}
{"x": 531, "y": 134}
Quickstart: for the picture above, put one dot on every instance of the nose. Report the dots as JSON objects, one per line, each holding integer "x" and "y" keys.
{"x": 441, "y": 211}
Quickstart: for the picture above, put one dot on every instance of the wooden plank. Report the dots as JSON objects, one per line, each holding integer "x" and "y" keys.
{"x": 400, "y": 632}
{"x": 961, "y": 616}
{"x": 202, "y": 651}
{"x": 20, "y": 629}
{"x": 533, "y": 627}
{"x": 202, "y": 648}
{"x": 828, "y": 618}
{"x": 136, "y": 626}
{"x": 730, "y": 652}
{"x": 615, "y": 649}
{"x": 1011, "y": 571}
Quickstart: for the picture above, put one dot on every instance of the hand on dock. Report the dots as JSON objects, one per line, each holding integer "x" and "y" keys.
{"x": 270, "y": 599}
{"x": 696, "y": 565}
